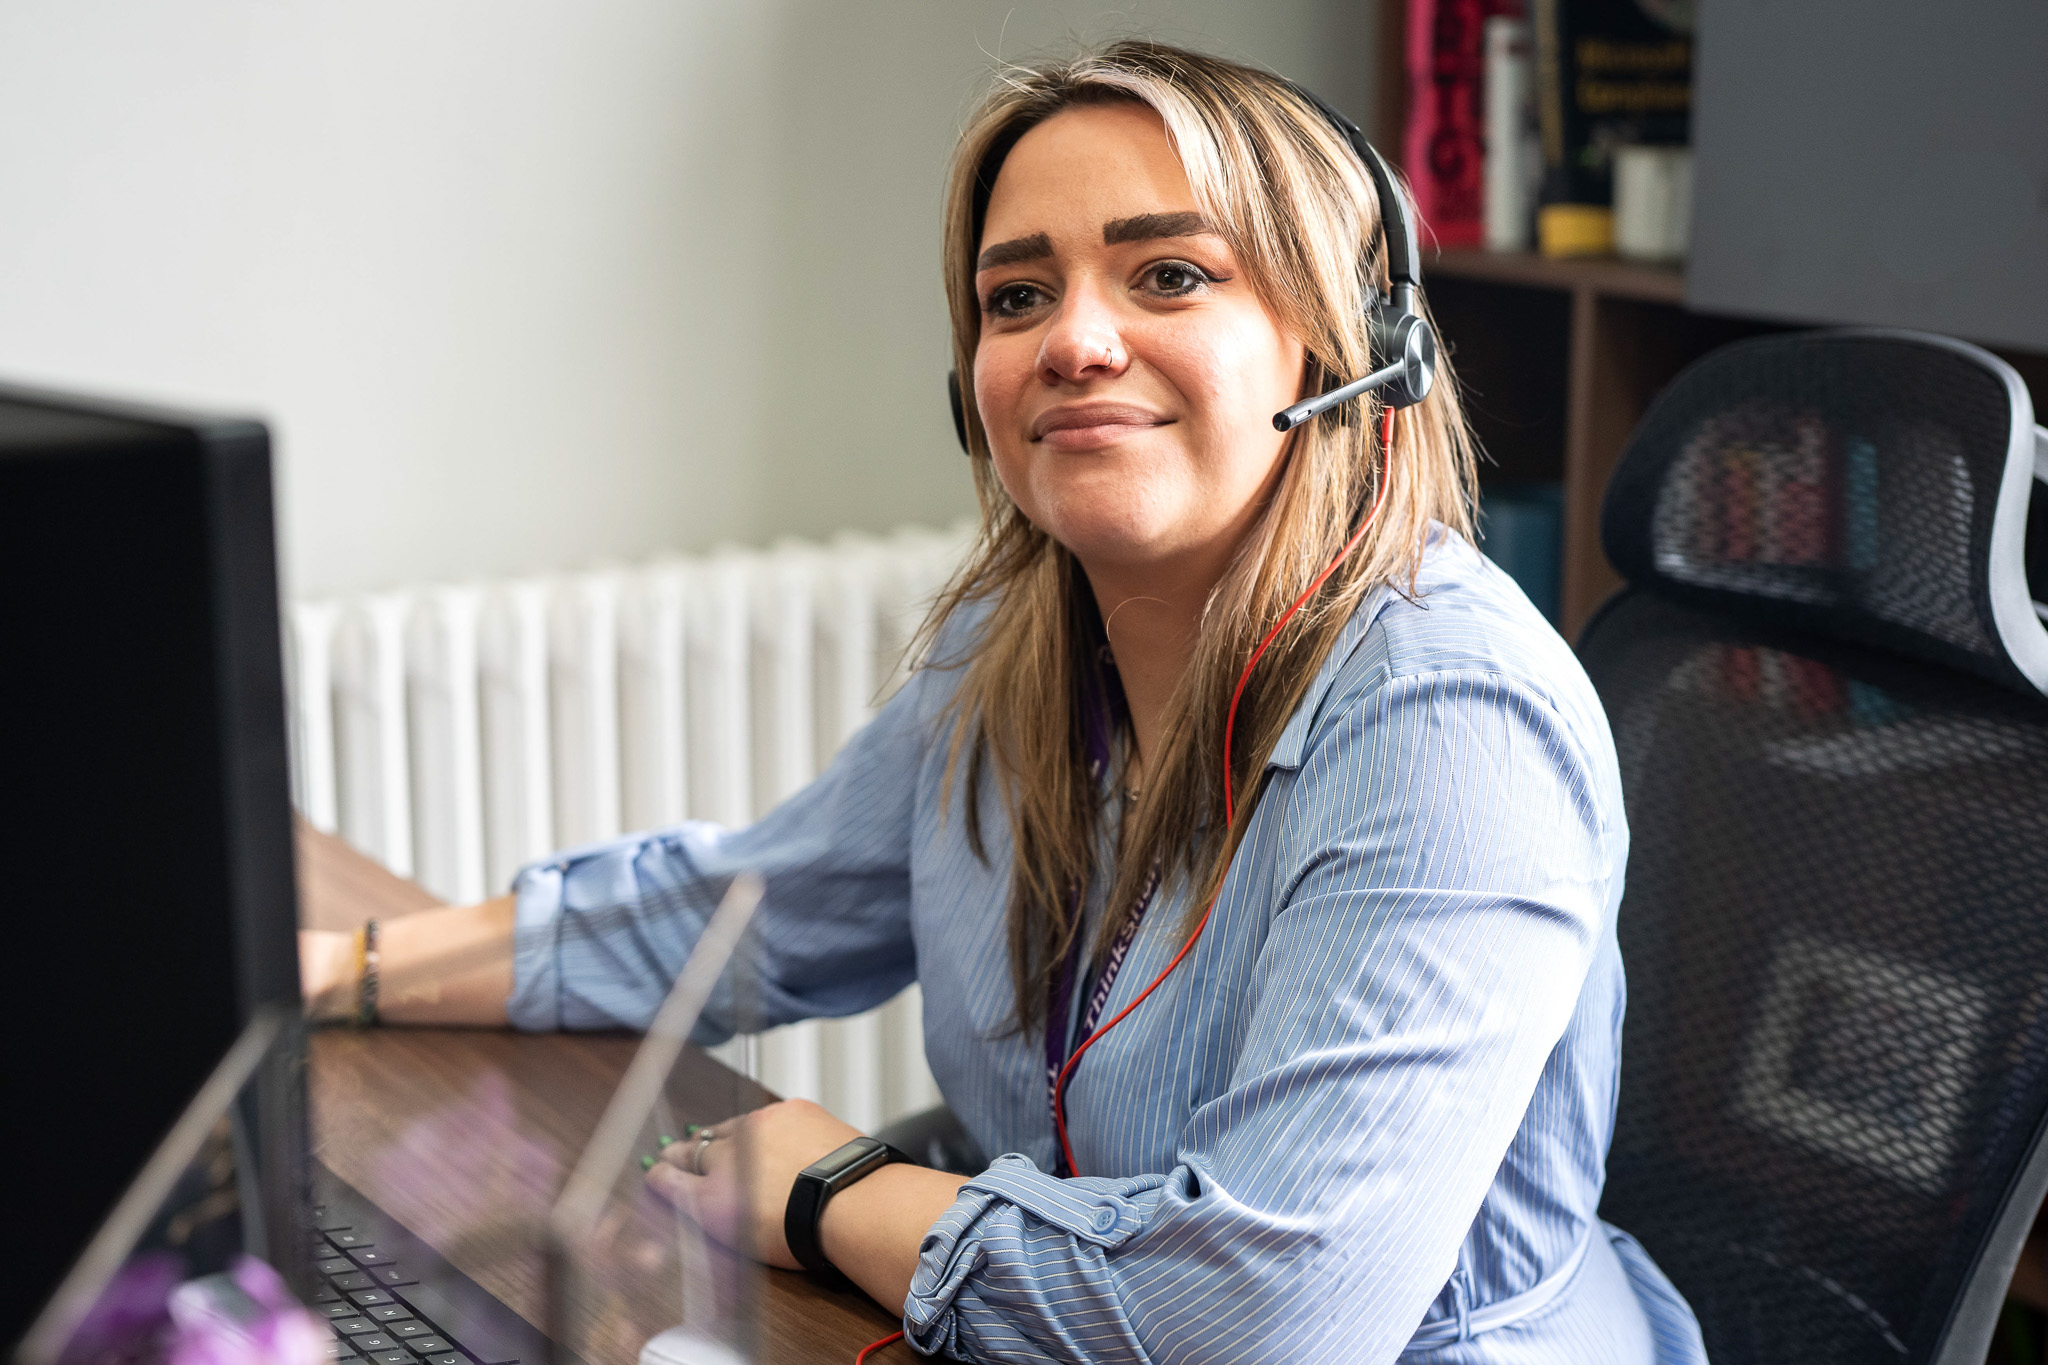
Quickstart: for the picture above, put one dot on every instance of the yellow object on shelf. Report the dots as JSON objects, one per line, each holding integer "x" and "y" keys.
{"x": 1575, "y": 230}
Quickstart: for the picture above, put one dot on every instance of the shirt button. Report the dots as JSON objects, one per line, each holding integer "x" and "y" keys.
{"x": 1105, "y": 1219}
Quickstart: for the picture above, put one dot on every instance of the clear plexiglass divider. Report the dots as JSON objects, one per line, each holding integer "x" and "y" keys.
{"x": 633, "y": 1278}
{"x": 392, "y": 1196}
{"x": 435, "y": 1155}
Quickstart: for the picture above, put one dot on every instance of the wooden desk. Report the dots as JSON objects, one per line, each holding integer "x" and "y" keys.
{"x": 467, "y": 1135}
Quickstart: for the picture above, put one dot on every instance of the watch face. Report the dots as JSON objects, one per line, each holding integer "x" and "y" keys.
{"x": 858, "y": 1152}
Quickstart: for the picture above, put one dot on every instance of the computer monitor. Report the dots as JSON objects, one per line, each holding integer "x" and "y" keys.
{"x": 225, "y": 1184}
{"x": 147, "y": 833}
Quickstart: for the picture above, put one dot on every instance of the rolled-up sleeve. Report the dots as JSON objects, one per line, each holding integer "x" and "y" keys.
{"x": 601, "y": 932}
{"x": 1442, "y": 863}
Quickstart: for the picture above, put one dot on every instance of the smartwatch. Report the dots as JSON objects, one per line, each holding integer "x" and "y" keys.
{"x": 814, "y": 1188}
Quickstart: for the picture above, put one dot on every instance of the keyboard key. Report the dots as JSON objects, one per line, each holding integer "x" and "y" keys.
{"x": 340, "y": 1308}
{"x": 349, "y": 1327}
{"x": 428, "y": 1346}
{"x": 412, "y": 1327}
{"x": 394, "y": 1356}
{"x": 354, "y": 1279}
{"x": 389, "y": 1312}
{"x": 326, "y": 1220}
{"x": 493, "y": 1342}
{"x": 391, "y": 1274}
{"x": 373, "y": 1341}
{"x": 450, "y": 1359}
{"x": 343, "y": 1239}
{"x": 325, "y": 1295}
{"x": 369, "y": 1256}
{"x": 369, "y": 1298}
{"x": 340, "y": 1350}
{"x": 334, "y": 1265}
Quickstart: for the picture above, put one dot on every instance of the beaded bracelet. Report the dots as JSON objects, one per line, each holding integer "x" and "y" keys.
{"x": 366, "y": 975}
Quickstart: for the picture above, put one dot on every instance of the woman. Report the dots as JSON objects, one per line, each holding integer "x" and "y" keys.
{"x": 1376, "y": 1092}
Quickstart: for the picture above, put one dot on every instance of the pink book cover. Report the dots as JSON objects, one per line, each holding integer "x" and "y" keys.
{"x": 1444, "y": 151}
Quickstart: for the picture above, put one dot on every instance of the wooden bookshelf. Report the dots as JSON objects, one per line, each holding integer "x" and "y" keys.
{"x": 1558, "y": 359}
{"x": 1604, "y": 275}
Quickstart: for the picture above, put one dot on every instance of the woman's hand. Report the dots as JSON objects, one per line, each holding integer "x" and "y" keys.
{"x": 744, "y": 1207}
{"x": 871, "y": 1230}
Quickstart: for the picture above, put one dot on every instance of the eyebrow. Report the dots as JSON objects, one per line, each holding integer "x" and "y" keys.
{"x": 1146, "y": 226}
{"x": 1143, "y": 228}
{"x": 1033, "y": 248}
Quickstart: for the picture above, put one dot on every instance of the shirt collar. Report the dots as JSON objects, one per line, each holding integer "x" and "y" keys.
{"x": 1287, "y": 752}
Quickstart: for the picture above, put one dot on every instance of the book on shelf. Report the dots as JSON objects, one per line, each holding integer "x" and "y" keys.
{"x": 1608, "y": 73}
{"x": 1443, "y": 151}
{"x": 1521, "y": 528}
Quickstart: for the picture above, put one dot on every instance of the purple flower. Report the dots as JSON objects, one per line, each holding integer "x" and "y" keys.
{"x": 291, "y": 1336}
{"x": 209, "y": 1343}
{"x": 245, "y": 1317}
{"x": 261, "y": 1283}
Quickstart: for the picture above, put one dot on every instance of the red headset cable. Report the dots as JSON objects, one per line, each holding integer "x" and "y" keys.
{"x": 1059, "y": 1104}
{"x": 874, "y": 1346}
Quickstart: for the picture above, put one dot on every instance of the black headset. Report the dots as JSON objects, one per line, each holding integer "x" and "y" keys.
{"x": 1402, "y": 340}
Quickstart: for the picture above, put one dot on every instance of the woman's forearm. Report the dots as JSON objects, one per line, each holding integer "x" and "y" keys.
{"x": 447, "y": 966}
{"x": 872, "y": 1229}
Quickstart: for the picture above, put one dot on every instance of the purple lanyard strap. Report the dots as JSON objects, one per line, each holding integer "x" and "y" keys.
{"x": 1098, "y": 710}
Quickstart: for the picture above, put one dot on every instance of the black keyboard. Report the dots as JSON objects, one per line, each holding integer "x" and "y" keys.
{"x": 372, "y": 1324}
{"x": 391, "y": 1300}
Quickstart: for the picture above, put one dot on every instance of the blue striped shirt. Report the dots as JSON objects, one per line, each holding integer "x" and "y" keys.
{"x": 1372, "y": 1106}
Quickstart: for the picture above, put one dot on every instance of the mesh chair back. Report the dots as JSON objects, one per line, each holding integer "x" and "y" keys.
{"x": 1868, "y": 485}
{"x": 1835, "y": 1066}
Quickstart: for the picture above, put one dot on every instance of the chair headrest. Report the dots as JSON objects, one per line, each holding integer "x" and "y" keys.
{"x": 1868, "y": 485}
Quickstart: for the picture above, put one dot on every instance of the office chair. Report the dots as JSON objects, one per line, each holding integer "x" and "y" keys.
{"x": 1825, "y": 679}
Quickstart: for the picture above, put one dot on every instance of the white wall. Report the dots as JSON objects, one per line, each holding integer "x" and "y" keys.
{"x": 523, "y": 285}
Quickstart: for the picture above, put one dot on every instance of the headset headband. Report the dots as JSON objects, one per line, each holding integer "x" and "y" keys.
{"x": 1396, "y": 224}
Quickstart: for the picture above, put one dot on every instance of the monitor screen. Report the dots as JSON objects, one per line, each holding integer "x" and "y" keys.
{"x": 147, "y": 835}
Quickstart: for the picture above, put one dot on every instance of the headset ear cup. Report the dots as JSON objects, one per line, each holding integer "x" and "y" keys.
{"x": 959, "y": 409}
{"x": 1412, "y": 341}
{"x": 1420, "y": 354}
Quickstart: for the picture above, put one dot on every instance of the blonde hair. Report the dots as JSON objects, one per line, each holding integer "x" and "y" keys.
{"x": 1294, "y": 203}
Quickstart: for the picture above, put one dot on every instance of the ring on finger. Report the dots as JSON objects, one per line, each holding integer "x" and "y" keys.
{"x": 704, "y": 1140}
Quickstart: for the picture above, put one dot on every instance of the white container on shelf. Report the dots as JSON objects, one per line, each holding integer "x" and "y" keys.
{"x": 1514, "y": 155}
{"x": 1652, "y": 202}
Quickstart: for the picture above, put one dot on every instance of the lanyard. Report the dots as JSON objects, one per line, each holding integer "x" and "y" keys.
{"x": 1098, "y": 713}
{"x": 1056, "y": 1039}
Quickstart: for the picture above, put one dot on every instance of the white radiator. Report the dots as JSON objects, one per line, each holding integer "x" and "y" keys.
{"x": 457, "y": 732}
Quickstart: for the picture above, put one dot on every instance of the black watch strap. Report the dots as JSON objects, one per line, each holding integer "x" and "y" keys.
{"x": 814, "y": 1188}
